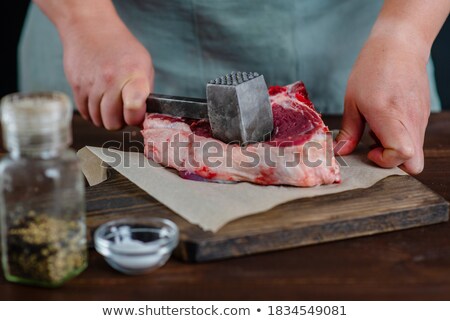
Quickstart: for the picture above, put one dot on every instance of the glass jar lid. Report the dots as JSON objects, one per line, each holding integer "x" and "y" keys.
{"x": 36, "y": 111}
{"x": 36, "y": 121}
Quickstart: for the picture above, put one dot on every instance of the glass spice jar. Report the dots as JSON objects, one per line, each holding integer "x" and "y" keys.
{"x": 42, "y": 209}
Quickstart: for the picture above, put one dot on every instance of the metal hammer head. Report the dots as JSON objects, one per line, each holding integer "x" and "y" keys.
{"x": 239, "y": 109}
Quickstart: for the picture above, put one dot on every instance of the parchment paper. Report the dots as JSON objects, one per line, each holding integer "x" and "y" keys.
{"x": 212, "y": 205}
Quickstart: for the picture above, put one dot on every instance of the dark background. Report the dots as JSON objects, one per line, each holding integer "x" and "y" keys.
{"x": 13, "y": 13}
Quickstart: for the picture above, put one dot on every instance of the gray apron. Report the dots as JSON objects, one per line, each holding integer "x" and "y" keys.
{"x": 193, "y": 41}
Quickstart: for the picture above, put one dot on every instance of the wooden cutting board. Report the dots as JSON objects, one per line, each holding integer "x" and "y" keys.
{"x": 395, "y": 203}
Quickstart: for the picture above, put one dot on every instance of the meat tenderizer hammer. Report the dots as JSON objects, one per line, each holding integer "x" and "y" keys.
{"x": 237, "y": 106}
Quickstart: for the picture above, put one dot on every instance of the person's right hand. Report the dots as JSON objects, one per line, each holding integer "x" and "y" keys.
{"x": 110, "y": 72}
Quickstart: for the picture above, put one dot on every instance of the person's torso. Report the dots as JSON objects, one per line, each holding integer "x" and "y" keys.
{"x": 193, "y": 41}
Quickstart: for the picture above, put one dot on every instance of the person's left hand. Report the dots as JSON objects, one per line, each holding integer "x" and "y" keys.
{"x": 388, "y": 88}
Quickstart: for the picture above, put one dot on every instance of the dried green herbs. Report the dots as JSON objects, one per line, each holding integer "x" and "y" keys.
{"x": 45, "y": 250}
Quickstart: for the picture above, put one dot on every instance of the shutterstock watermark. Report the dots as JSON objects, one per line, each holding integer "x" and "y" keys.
{"x": 193, "y": 151}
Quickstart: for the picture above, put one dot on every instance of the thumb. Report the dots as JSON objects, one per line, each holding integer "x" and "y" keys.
{"x": 351, "y": 131}
{"x": 134, "y": 97}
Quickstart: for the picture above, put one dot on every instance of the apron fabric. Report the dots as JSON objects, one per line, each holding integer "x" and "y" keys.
{"x": 193, "y": 41}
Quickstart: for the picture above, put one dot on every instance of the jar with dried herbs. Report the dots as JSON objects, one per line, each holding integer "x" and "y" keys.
{"x": 42, "y": 208}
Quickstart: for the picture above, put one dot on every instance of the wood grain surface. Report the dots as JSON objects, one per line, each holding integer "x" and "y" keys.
{"x": 395, "y": 203}
{"x": 412, "y": 264}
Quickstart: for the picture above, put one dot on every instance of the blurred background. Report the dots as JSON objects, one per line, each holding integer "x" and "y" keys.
{"x": 14, "y": 14}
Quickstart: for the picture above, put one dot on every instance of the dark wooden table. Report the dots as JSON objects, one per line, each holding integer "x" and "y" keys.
{"x": 407, "y": 265}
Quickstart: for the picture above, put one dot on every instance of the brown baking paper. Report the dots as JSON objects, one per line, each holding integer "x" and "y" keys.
{"x": 212, "y": 205}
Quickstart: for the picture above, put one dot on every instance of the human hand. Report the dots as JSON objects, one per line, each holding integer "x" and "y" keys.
{"x": 388, "y": 88}
{"x": 110, "y": 72}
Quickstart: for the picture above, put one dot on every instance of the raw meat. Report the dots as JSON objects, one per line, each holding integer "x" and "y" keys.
{"x": 299, "y": 151}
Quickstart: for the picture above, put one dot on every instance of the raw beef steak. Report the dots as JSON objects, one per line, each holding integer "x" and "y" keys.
{"x": 299, "y": 151}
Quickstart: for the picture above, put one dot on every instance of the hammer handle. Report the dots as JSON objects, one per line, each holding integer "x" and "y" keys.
{"x": 195, "y": 108}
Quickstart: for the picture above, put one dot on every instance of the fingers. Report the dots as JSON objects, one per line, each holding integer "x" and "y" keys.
{"x": 398, "y": 146}
{"x": 134, "y": 97}
{"x": 111, "y": 110}
{"x": 351, "y": 132}
{"x": 81, "y": 101}
{"x": 395, "y": 145}
{"x": 415, "y": 164}
{"x": 111, "y": 107}
{"x": 94, "y": 100}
